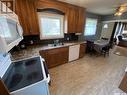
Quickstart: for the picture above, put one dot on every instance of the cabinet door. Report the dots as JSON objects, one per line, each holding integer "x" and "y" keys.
{"x": 82, "y": 50}
{"x": 32, "y": 16}
{"x": 80, "y": 20}
{"x": 123, "y": 85}
{"x": 26, "y": 11}
{"x": 72, "y": 19}
{"x": 55, "y": 57}
{"x": 74, "y": 52}
{"x": 21, "y": 11}
{"x": 76, "y": 19}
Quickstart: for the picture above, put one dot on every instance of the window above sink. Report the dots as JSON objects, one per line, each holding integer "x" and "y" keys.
{"x": 51, "y": 25}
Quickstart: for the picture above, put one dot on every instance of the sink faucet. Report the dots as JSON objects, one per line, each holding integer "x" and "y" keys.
{"x": 56, "y": 42}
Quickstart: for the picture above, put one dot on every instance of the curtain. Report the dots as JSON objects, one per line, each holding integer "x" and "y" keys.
{"x": 120, "y": 28}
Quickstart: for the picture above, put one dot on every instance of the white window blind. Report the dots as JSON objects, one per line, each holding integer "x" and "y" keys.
{"x": 51, "y": 26}
{"x": 90, "y": 28}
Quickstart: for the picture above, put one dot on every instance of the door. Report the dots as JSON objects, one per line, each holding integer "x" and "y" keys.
{"x": 82, "y": 50}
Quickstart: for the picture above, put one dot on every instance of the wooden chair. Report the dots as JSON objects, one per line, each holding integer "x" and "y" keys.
{"x": 105, "y": 50}
{"x": 90, "y": 47}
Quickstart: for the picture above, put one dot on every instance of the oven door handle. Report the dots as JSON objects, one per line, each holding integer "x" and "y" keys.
{"x": 43, "y": 60}
{"x": 45, "y": 66}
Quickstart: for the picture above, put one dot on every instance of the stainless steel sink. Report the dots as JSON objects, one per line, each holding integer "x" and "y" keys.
{"x": 60, "y": 45}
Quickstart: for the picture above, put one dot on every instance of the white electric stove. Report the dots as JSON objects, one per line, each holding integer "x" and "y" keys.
{"x": 25, "y": 77}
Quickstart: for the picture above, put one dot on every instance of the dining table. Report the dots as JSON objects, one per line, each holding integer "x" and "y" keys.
{"x": 99, "y": 44}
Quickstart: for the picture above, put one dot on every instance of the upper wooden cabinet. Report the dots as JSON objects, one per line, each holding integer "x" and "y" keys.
{"x": 76, "y": 19}
{"x": 71, "y": 16}
{"x": 25, "y": 9}
{"x": 27, "y": 12}
{"x": 80, "y": 24}
{"x": 44, "y": 4}
{"x": 74, "y": 15}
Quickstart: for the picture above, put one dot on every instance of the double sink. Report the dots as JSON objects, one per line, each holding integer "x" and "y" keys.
{"x": 61, "y": 44}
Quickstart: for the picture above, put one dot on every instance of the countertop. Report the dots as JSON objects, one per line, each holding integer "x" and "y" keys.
{"x": 31, "y": 51}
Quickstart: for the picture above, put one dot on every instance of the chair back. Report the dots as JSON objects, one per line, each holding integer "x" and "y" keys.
{"x": 106, "y": 48}
{"x": 120, "y": 38}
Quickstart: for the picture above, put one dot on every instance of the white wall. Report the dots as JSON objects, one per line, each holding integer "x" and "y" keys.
{"x": 107, "y": 32}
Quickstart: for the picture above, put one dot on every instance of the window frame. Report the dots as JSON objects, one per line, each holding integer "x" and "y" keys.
{"x": 91, "y": 25}
{"x": 51, "y": 15}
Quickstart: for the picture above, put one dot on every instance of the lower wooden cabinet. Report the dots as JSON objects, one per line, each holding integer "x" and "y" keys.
{"x": 82, "y": 50}
{"x": 55, "y": 57}
{"x": 123, "y": 85}
{"x": 61, "y": 55}
{"x": 3, "y": 89}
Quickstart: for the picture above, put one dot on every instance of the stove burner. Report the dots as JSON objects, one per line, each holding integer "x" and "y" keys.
{"x": 16, "y": 78}
{"x": 30, "y": 62}
{"x": 32, "y": 76}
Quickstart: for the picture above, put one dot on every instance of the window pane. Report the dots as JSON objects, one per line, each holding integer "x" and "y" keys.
{"x": 90, "y": 28}
{"x": 50, "y": 26}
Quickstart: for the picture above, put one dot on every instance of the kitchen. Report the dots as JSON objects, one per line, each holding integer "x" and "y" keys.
{"x": 48, "y": 35}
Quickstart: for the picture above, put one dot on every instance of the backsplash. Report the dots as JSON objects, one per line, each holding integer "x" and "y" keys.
{"x": 72, "y": 37}
{"x": 35, "y": 40}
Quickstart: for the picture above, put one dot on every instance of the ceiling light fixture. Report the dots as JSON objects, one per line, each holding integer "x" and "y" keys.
{"x": 121, "y": 9}
{"x": 118, "y": 13}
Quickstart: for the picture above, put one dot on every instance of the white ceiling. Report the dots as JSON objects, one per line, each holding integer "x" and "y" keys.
{"x": 102, "y": 7}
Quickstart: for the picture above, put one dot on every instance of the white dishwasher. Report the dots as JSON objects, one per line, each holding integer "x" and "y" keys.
{"x": 74, "y": 52}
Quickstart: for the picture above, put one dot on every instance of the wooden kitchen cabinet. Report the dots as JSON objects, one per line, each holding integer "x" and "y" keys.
{"x": 61, "y": 55}
{"x": 55, "y": 57}
{"x": 123, "y": 85}
{"x": 71, "y": 19}
{"x": 3, "y": 89}
{"x": 74, "y": 15}
{"x": 26, "y": 11}
{"x": 80, "y": 24}
{"x": 82, "y": 50}
{"x": 76, "y": 19}
{"x": 52, "y": 4}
